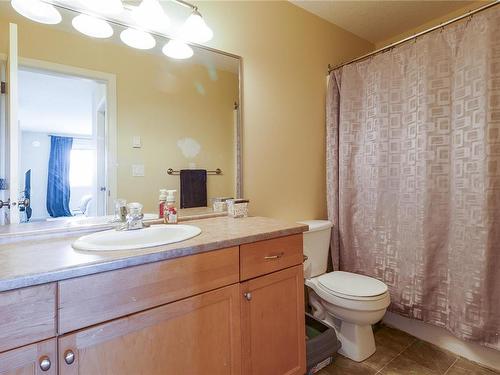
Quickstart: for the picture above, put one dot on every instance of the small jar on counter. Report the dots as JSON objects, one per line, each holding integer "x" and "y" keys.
{"x": 220, "y": 203}
{"x": 237, "y": 207}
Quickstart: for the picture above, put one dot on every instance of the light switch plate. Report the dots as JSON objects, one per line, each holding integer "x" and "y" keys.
{"x": 137, "y": 170}
{"x": 136, "y": 141}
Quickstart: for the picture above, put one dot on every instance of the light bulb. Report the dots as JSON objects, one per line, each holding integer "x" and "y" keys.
{"x": 150, "y": 14}
{"x": 92, "y": 26}
{"x": 195, "y": 29}
{"x": 37, "y": 11}
{"x": 111, "y": 7}
{"x": 137, "y": 39}
{"x": 177, "y": 49}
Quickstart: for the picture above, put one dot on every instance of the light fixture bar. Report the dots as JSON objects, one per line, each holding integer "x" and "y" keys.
{"x": 186, "y": 4}
{"x": 179, "y": 2}
{"x": 120, "y": 23}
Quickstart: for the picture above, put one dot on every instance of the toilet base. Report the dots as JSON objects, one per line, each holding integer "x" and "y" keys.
{"x": 357, "y": 341}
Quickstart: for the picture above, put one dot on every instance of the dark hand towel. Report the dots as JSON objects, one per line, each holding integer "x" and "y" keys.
{"x": 193, "y": 188}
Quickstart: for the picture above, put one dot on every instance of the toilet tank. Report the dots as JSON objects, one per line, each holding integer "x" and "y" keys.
{"x": 316, "y": 246}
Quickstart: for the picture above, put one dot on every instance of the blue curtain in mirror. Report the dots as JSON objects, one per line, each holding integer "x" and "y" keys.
{"x": 58, "y": 189}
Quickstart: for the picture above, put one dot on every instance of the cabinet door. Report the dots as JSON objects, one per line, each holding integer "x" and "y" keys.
{"x": 34, "y": 359}
{"x": 273, "y": 328}
{"x": 198, "y": 335}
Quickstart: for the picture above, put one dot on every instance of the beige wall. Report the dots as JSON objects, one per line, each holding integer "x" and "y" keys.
{"x": 158, "y": 99}
{"x": 285, "y": 54}
{"x": 432, "y": 23}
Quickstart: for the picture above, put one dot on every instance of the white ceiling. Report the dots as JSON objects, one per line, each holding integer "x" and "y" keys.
{"x": 377, "y": 21}
{"x": 45, "y": 106}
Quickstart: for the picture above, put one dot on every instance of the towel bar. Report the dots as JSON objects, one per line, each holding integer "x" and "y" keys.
{"x": 170, "y": 171}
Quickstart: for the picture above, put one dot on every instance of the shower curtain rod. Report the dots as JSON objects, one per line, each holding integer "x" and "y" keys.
{"x": 468, "y": 14}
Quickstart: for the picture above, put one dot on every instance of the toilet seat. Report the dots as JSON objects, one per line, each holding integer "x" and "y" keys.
{"x": 349, "y": 302}
{"x": 352, "y": 286}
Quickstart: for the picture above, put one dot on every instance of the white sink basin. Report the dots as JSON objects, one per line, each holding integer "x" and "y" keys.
{"x": 156, "y": 235}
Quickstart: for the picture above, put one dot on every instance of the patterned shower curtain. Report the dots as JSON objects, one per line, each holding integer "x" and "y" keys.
{"x": 413, "y": 168}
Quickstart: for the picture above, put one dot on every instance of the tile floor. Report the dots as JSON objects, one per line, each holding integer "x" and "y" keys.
{"x": 399, "y": 353}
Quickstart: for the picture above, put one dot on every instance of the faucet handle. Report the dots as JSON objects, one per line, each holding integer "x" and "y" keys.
{"x": 134, "y": 216}
{"x": 135, "y": 209}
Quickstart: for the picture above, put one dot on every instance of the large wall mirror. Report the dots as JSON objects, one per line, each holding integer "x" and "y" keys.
{"x": 100, "y": 121}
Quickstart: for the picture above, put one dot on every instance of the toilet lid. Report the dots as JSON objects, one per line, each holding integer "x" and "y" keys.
{"x": 352, "y": 284}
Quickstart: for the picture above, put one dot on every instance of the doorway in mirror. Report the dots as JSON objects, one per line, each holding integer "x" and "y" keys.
{"x": 62, "y": 122}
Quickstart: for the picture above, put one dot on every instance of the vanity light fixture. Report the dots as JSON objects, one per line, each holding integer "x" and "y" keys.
{"x": 195, "y": 29}
{"x": 108, "y": 7}
{"x": 137, "y": 39}
{"x": 92, "y": 26}
{"x": 177, "y": 49}
{"x": 150, "y": 14}
{"x": 37, "y": 11}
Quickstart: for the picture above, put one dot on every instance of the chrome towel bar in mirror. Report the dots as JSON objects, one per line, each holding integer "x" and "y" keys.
{"x": 170, "y": 171}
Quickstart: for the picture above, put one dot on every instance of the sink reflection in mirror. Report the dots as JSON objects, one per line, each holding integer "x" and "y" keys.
{"x": 99, "y": 120}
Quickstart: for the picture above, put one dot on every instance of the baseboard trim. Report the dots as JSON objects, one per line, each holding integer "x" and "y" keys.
{"x": 444, "y": 339}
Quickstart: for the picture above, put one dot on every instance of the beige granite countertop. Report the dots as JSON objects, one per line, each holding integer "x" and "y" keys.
{"x": 40, "y": 260}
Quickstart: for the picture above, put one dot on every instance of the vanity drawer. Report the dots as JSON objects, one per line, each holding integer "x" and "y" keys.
{"x": 260, "y": 258}
{"x": 92, "y": 299}
{"x": 27, "y": 315}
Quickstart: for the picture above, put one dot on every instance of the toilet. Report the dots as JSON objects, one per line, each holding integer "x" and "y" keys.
{"x": 348, "y": 302}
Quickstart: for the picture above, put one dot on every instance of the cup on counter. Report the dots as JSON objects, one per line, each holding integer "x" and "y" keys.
{"x": 219, "y": 204}
{"x": 237, "y": 207}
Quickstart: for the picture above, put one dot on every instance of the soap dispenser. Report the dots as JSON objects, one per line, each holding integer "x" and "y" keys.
{"x": 170, "y": 216}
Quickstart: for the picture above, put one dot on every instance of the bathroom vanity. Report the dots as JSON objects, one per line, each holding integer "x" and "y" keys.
{"x": 229, "y": 301}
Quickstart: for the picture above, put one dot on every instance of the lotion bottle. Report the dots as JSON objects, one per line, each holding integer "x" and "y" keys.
{"x": 162, "y": 202}
{"x": 170, "y": 216}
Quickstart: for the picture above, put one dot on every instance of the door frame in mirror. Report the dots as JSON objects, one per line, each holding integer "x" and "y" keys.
{"x": 109, "y": 80}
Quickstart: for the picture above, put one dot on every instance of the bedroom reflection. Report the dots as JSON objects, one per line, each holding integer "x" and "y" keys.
{"x": 62, "y": 149}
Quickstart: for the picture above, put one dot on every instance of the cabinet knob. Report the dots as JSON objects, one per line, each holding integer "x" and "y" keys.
{"x": 45, "y": 363}
{"x": 69, "y": 357}
{"x": 248, "y": 296}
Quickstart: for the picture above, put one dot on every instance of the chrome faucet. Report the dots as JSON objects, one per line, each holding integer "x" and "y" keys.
{"x": 134, "y": 217}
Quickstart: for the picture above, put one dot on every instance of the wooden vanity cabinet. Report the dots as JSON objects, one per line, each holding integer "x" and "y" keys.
{"x": 272, "y": 307}
{"x": 273, "y": 327}
{"x": 33, "y": 359}
{"x": 232, "y": 311}
{"x": 27, "y": 315}
{"x": 28, "y": 330}
{"x": 197, "y": 335}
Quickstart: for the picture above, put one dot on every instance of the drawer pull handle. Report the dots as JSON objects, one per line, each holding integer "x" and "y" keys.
{"x": 69, "y": 357}
{"x": 248, "y": 296}
{"x": 273, "y": 257}
{"x": 45, "y": 363}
